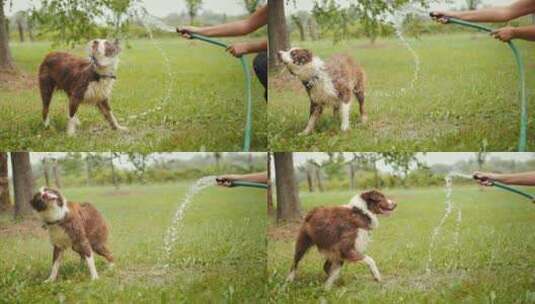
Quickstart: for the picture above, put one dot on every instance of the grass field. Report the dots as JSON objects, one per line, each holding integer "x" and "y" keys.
{"x": 220, "y": 255}
{"x": 493, "y": 261}
{"x": 196, "y": 102}
{"x": 465, "y": 95}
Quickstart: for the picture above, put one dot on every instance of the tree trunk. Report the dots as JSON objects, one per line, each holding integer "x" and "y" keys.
{"x": 46, "y": 172}
{"x": 22, "y": 183}
{"x": 318, "y": 179}
{"x": 277, "y": 32}
{"x": 288, "y": 204}
{"x": 5, "y": 200}
{"x": 113, "y": 175}
{"x": 270, "y": 186}
{"x": 300, "y": 26}
{"x": 309, "y": 180}
{"x": 6, "y": 61}
{"x": 312, "y": 28}
{"x": 55, "y": 171}
{"x": 30, "y": 31}
{"x": 351, "y": 176}
{"x": 21, "y": 30}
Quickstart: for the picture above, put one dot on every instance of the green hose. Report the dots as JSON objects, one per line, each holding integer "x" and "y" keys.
{"x": 249, "y": 184}
{"x": 248, "y": 96}
{"x": 508, "y": 188}
{"x": 522, "y": 82}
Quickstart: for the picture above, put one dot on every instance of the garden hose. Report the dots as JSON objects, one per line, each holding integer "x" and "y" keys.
{"x": 248, "y": 184}
{"x": 508, "y": 188}
{"x": 248, "y": 96}
{"x": 522, "y": 82}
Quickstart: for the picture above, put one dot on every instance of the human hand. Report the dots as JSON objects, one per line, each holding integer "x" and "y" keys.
{"x": 186, "y": 31}
{"x": 504, "y": 34}
{"x": 442, "y": 16}
{"x": 485, "y": 179}
{"x": 226, "y": 180}
{"x": 238, "y": 49}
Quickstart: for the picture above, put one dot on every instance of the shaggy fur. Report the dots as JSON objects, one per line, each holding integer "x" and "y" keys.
{"x": 87, "y": 81}
{"x": 332, "y": 83}
{"x": 341, "y": 233}
{"x": 72, "y": 225}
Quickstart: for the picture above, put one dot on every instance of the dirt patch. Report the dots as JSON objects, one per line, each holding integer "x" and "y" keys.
{"x": 283, "y": 80}
{"x": 27, "y": 229}
{"x": 17, "y": 81}
{"x": 283, "y": 232}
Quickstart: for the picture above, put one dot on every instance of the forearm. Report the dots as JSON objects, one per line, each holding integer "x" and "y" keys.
{"x": 497, "y": 14}
{"x": 260, "y": 177}
{"x": 257, "y": 47}
{"x": 525, "y": 32}
{"x": 231, "y": 29}
{"x": 521, "y": 179}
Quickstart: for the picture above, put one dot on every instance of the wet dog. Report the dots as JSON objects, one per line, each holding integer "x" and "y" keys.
{"x": 88, "y": 81}
{"x": 332, "y": 83}
{"x": 342, "y": 233}
{"x": 72, "y": 225}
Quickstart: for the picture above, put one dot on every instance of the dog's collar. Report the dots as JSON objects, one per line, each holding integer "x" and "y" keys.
{"x": 98, "y": 76}
{"x": 309, "y": 84}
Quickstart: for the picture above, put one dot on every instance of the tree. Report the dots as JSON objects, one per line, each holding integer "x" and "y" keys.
{"x": 5, "y": 200}
{"x": 305, "y": 169}
{"x": 300, "y": 24}
{"x": 252, "y": 5}
{"x": 217, "y": 157}
{"x": 193, "y": 9}
{"x": 277, "y": 32}
{"x": 46, "y": 172}
{"x": 20, "y": 20}
{"x": 73, "y": 22}
{"x": 139, "y": 161}
{"x": 401, "y": 162}
{"x": 481, "y": 158}
{"x": 113, "y": 156}
{"x": 316, "y": 167}
{"x": 288, "y": 203}
{"x": 270, "y": 185}
{"x": 369, "y": 13}
{"x": 6, "y": 60}
{"x": 22, "y": 183}
{"x": 312, "y": 27}
{"x": 119, "y": 15}
{"x": 55, "y": 172}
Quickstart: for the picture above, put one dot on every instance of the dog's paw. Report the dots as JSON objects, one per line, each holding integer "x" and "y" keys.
{"x": 304, "y": 133}
{"x": 364, "y": 119}
{"x": 122, "y": 129}
{"x": 46, "y": 123}
{"x": 378, "y": 279}
{"x": 49, "y": 280}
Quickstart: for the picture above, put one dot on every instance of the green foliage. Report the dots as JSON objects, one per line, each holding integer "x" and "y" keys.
{"x": 252, "y": 5}
{"x": 334, "y": 17}
{"x": 193, "y": 7}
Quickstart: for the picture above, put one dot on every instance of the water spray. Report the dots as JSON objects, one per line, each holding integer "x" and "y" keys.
{"x": 522, "y": 81}
{"x": 248, "y": 95}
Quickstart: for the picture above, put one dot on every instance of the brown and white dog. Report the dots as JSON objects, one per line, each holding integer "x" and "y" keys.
{"x": 342, "y": 233}
{"x": 332, "y": 83}
{"x": 72, "y": 225}
{"x": 84, "y": 80}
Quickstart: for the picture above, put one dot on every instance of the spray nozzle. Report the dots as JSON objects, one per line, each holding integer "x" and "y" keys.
{"x": 436, "y": 15}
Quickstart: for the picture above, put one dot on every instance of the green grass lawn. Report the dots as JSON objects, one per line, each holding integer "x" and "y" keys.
{"x": 220, "y": 255}
{"x": 465, "y": 95}
{"x": 205, "y": 108}
{"x": 493, "y": 261}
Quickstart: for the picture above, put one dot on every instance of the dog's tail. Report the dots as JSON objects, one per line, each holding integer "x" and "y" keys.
{"x": 303, "y": 243}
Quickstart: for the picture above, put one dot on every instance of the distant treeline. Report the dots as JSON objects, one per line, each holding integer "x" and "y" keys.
{"x": 341, "y": 175}
{"x": 87, "y": 169}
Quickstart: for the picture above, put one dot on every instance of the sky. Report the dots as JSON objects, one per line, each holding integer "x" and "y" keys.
{"x": 161, "y": 8}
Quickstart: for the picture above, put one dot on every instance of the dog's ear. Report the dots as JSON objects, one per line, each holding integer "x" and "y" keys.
{"x": 37, "y": 202}
{"x": 301, "y": 56}
{"x": 372, "y": 195}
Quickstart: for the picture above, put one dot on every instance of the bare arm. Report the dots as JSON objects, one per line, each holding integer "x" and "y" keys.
{"x": 495, "y": 14}
{"x": 521, "y": 179}
{"x": 231, "y": 29}
{"x": 226, "y": 180}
